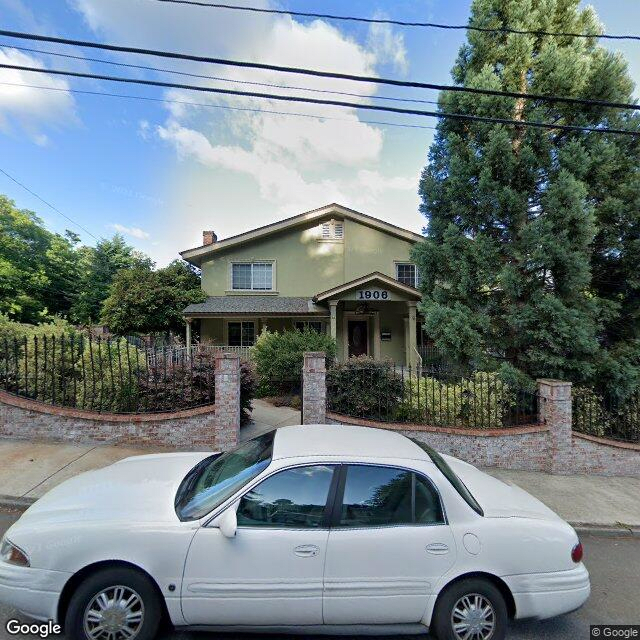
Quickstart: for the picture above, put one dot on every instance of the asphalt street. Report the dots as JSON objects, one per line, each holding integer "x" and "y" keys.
{"x": 614, "y": 565}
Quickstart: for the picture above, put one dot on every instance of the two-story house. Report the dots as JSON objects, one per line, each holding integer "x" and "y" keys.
{"x": 332, "y": 269}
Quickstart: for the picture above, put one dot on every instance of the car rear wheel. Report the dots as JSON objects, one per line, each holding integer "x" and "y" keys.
{"x": 114, "y": 604}
{"x": 472, "y": 609}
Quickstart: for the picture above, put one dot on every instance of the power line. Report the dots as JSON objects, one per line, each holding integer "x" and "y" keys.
{"x": 33, "y": 193}
{"x": 402, "y": 23}
{"x": 317, "y": 73}
{"x": 217, "y": 106}
{"x": 338, "y": 103}
{"x": 220, "y": 78}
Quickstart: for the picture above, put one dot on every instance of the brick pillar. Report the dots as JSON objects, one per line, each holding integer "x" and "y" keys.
{"x": 227, "y": 411}
{"x": 314, "y": 388}
{"x": 555, "y": 412}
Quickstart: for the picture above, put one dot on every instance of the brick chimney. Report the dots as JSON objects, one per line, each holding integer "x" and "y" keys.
{"x": 209, "y": 237}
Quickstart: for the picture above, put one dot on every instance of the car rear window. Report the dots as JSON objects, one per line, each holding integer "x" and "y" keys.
{"x": 450, "y": 475}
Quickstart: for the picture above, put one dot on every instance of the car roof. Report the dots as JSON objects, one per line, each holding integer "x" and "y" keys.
{"x": 343, "y": 440}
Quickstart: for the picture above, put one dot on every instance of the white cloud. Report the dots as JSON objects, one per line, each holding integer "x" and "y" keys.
{"x": 293, "y": 163}
{"x": 388, "y": 46}
{"x": 32, "y": 109}
{"x": 134, "y": 232}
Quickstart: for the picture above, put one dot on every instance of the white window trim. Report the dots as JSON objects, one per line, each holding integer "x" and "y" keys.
{"x": 271, "y": 261}
{"x": 332, "y": 233}
{"x": 226, "y": 329}
{"x": 396, "y": 263}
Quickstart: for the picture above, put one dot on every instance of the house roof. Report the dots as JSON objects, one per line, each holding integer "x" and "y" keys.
{"x": 375, "y": 276}
{"x": 198, "y": 254}
{"x": 263, "y": 305}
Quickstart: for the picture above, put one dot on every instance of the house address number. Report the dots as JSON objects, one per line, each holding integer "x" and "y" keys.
{"x": 372, "y": 294}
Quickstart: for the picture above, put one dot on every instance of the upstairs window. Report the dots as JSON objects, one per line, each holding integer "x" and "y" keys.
{"x": 332, "y": 230}
{"x": 407, "y": 273}
{"x": 252, "y": 276}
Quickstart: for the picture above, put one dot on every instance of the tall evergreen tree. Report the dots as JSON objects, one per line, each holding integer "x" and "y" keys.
{"x": 519, "y": 218}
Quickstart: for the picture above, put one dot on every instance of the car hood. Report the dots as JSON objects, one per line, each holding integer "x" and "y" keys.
{"x": 136, "y": 489}
{"x": 497, "y": 498}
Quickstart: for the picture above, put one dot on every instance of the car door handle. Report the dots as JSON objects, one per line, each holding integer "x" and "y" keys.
{"x": 306, "y": 550}
{"x": 437, "y": 548}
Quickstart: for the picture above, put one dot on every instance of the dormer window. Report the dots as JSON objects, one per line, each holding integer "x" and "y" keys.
{"x": 332, "y": 230}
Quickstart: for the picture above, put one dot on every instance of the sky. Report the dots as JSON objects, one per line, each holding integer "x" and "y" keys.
{"x": 160, "y": 171}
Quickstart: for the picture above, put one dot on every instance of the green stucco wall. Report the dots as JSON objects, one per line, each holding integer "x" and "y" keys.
{"x": 304, "y": 265}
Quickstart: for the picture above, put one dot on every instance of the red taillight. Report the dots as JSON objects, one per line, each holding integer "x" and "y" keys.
{"x": 577, "y": 552}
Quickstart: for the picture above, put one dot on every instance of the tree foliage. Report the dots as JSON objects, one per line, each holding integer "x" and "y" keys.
{"x": 99, "y": 267}
{"x": 533, "y": 236}
{"x": 45, "y": 275}
{"x": 142, "y": 300}
{"x": 39, "y": 270}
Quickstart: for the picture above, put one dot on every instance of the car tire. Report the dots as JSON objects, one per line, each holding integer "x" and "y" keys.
{"x": 470, "y": 595}
{"x": 114, "y": 597}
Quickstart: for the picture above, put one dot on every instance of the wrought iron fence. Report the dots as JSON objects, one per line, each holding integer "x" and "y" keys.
{"x": 439, "y": 396}
{"x": 606, "y": 416}
{"x": 104, "y": 375}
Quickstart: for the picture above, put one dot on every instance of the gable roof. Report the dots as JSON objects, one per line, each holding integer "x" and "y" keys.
{"x": 362, "y": 280}
{"x": 198, "y": 254}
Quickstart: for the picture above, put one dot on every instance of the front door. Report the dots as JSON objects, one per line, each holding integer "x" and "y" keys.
{"x": 389, "y": 547}
{"x": 358, "y": 337}
{"x": 271, "y": 572}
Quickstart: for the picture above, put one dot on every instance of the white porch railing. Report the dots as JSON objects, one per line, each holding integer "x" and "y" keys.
{"x": 176, "y": 355}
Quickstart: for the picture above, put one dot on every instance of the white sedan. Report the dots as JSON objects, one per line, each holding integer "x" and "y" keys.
{"x": 306, "y": 529}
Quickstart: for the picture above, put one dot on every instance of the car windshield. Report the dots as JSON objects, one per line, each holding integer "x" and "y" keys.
{"x": 218, "y": 477}
{"x": 450, "y": 475}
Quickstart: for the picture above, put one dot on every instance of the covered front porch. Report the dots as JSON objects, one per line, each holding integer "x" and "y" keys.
{"x": 374, "y": 315}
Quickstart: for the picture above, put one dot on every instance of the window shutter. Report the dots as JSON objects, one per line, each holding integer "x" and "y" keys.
{"x": 338, "y": 230}
{"x": 326, "y": 230}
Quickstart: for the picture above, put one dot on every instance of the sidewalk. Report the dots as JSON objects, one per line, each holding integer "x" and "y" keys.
{"x": 28, "y": 470}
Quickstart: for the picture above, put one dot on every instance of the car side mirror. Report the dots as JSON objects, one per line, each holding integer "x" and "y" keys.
{"x": 227, "y": 522}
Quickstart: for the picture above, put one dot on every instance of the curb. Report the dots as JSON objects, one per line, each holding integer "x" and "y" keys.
{"x": 615, "y": 530}
{"x": 15, "y": 502}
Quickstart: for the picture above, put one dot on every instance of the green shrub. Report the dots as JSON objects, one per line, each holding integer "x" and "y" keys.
{"x": 480, "y": 401}
{"x": 279, "y": 358}
{"x": 111, "y": 376}
{"x": 39, "y": 360}
{"x": 248, "y": 388}
{"x": 364, "y": 387}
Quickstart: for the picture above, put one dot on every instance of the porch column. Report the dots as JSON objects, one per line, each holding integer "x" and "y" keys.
{"x": 412, "y": 360}
{"x": 376, "y": 335}
{"x": 188, "y": 336}
{"x": 333, "y": 309}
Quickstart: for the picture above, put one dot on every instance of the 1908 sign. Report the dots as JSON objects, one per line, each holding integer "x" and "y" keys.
{"x": 372, "y": 294}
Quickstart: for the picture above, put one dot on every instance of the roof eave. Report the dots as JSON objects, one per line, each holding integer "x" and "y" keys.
{"x": 197, "y": 254}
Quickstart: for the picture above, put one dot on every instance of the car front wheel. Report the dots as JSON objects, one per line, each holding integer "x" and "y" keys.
{"x": 114, "y": 604}
{"x": 472, "y": 609}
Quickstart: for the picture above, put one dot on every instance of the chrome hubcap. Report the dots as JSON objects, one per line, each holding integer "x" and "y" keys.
{"x": 473, "y": 618}
{"x": 115, "y": 613}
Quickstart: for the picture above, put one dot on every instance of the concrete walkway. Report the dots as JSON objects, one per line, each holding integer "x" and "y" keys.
{"x": 266, "y": 417}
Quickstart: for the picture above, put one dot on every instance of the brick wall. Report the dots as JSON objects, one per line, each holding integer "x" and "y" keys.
{"x": 212, "y": 427}
{"x": 314, "y": 388}
{"x": 517, "y": 448}
{"x": 29, "y": 420}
